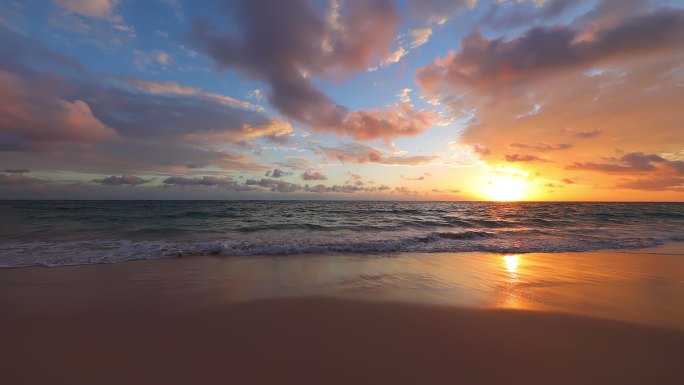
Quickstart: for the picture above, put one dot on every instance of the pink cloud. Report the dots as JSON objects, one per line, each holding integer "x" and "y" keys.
{"x": 32, "y": 115}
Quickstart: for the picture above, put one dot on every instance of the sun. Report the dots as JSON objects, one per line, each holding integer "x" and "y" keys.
{"x": 505, "y": 188}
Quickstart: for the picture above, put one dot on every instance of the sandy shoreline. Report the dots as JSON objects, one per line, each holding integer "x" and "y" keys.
{"x": 333, "y": 341}
{"x": 470, "y": 318}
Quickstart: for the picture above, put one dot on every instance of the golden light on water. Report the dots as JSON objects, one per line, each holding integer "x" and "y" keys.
{"x": 505, "y": 188}
{"x": 512, "y": 298}
{"x": 511, "y": 262}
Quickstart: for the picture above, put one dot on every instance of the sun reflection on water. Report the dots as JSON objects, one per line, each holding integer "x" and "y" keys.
{"x": 512, "y": 298}
{"x": 511, "y": 262}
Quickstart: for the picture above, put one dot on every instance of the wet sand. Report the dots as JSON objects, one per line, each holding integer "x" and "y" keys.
{"x": 460, "y": 318}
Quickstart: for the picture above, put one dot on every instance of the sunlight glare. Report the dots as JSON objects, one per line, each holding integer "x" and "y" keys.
{"x": 511, "y": 263}
{"x": 505, "y": 188}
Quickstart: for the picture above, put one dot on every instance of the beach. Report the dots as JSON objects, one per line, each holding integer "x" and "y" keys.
{"x": 604, "y": 317}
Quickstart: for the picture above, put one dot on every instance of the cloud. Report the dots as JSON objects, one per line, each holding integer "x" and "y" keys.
{"x": 174, "y": 88}
{"x": 86, "y": 17}
{"x": 16, "y": 170}
{"x": 544, "y": 50}
{"x": 586, "y": 134}
{"x": 97, "y": 9}
{"x": 452, "y": 191}
{"x": 524, "y": 158}
{"x": 144, "y": 59}
{"x": 296, "y": 163}
{"x": 345, "y": 40}
{"x": 481, "y": 149}
{"x": 131, "y": 180}
{"x": 403, "y": 95}
{"x": 399, "y": 120}
{"x": 256, "y": 94}
{"x": 225, "y": 183}
{"x": 115, "y": 124}
{"x": 439, "y": 11}
{"x": 34, "y": 115}
{"x": 420, "y": 36}
{"x": 277, "y": 173}
{"x": 313, "y": 175}
{"x": 654, "y": 184}
{"x": 394, "y": 57}
{"x": 416, "y": 178}
{"x": 509, "y": 14}
{"x": 612, "y": 74}
{"x": 543, "y": 147}
{"x": 278, "y": 138}
{"x": 403, "y": 190}
{"x": 634, "y": 162}
{"x": 359, "y": 153}
{"x": 17, "y": 180}
{"x": 349, "y": 188}
{"x": 274, "y": 185}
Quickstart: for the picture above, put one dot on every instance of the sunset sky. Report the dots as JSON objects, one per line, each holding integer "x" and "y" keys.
{"x": 342, "y": 99}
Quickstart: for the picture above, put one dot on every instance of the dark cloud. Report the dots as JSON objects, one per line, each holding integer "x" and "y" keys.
{"x": 541, "y": 50}
{"x": 568, "y": 181}
{"x": 206, "y": 181}
{"x": 277, "y": 173}
{"x": 131, "y": 180}
{"x": 524, "y": 158}
{"x": 274, "y": 185}
{"x": 278, "y": 138}
{"x": 345, "y": 40}
{"x": 16, "y": 170}
{"x": 313, "y": 175}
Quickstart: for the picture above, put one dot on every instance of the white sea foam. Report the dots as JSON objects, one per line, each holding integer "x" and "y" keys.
{"x": 62, "y": 253}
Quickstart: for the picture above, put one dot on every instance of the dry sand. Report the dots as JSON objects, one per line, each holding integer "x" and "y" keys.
{"x": 331, "y": 341}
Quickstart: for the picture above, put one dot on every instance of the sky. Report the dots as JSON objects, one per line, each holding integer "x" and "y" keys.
{"x": 543, "y": 100}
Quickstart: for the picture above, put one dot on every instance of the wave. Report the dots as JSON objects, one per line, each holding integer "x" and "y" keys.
{"x": 63, "y": 253}
{"x": 54, "y": 233}
{"x": 466, "y": 235}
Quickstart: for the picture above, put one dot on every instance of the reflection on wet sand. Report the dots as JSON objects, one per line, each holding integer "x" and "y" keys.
{"x": 512, "y": 264}
{"x": 644, "y": 287}
{"x": 511, "y": 300}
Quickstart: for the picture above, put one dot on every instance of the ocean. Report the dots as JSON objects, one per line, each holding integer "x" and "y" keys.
{"x": 55, "y": 233}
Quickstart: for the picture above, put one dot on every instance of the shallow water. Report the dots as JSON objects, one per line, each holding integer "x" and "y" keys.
{"x": 641, "y": 286}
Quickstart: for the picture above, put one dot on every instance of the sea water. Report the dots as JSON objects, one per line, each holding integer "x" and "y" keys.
{"x": 54, "y": 233}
